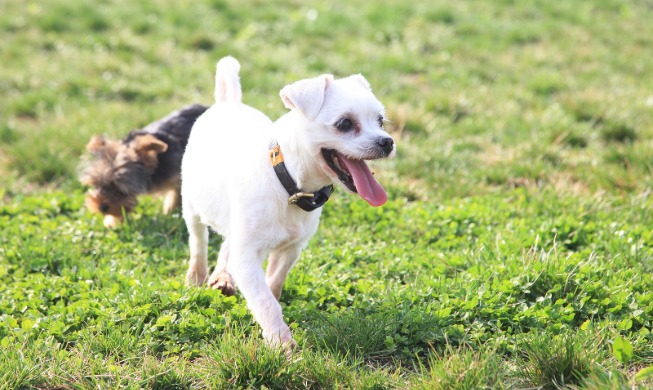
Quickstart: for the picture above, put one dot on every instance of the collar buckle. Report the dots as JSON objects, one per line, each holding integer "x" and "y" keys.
{"x": 296, "y": 197}
{"x": 307, "y": 201}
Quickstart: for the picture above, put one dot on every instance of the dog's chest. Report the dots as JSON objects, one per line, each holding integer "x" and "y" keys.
{"x": 294, "y": 229}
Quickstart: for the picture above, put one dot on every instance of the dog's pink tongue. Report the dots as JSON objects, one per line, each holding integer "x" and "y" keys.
{"x": 366, "y": 185}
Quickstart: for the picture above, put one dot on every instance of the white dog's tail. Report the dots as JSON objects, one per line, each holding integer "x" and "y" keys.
{"x": 227, "y": 82}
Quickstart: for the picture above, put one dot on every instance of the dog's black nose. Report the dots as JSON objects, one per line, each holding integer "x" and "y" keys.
{"x": 386, "y": 143}
{"x": 104, "y": 208}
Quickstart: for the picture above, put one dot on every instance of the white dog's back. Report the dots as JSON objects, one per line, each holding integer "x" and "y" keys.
{"x": 218, "y": 158}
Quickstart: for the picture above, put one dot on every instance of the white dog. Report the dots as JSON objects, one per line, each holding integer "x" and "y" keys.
{"x": 261, "y": 184}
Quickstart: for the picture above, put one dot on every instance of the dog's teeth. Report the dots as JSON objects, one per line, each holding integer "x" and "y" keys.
{"x": 336, "y": 161}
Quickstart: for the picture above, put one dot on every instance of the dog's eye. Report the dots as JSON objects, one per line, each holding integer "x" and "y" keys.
{"x": 344, "y": 125}
{"x": 380, "y": 120}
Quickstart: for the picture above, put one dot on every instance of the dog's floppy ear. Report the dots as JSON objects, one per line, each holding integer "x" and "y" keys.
{"x": 307, "y": 95}
{"x": 147, "y": 147}
{"x": 96, "y": 143}
{"x": 360, "y": 80}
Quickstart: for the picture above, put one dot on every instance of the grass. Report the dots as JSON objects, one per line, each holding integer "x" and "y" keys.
{"x": 515, "y": 250}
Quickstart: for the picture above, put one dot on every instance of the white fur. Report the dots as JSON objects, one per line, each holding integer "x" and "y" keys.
{"x": 227, "y": 83}
{"x": 228, "y": 182}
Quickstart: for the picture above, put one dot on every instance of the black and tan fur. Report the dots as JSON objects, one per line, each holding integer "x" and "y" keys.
{"x": 145, "y": 161}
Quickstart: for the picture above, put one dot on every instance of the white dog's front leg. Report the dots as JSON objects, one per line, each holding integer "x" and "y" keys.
{"x": 279, "y": 264}
{"x": 245, "y": 267}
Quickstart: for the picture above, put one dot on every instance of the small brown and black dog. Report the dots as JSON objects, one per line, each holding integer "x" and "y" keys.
{"x": 145, "y": 161}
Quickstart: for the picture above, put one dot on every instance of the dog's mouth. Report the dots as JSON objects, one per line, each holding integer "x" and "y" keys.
{"x": 356, "y": 176}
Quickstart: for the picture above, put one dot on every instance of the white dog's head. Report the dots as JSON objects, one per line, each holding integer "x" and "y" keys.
{"x": 345, "y": 122}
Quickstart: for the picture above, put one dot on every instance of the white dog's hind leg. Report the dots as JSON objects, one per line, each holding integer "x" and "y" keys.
{"x": 220, "y": 278}
{"x": 245, "y": 267}
{"x": 198, "y": 242}
{"x": 279, "y": 264}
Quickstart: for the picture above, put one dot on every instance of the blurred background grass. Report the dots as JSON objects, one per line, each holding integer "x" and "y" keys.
{"x": 482, "y": 95}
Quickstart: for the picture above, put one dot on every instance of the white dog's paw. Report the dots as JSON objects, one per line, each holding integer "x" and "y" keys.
{"x": 222, "y": 281}
{"x": 289, "y": 348}
{"x": 283, "y": 341}
{"x": 195, "y": 278}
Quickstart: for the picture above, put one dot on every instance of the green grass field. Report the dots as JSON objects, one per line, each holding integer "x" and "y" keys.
{"x": 516, "y": 250}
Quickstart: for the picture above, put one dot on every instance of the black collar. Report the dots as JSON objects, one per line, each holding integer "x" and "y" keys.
{"x": 307, "y": 201}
